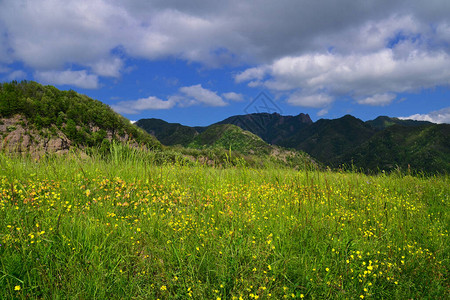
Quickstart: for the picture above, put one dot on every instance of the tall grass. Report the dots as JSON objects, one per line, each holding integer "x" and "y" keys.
{"x": 127, "y": 226}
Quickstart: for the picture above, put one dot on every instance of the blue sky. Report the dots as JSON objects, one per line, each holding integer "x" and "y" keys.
{"x": 198, "y": 62}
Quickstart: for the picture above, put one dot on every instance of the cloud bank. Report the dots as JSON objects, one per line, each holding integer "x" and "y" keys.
{"x": 312, "y": 51}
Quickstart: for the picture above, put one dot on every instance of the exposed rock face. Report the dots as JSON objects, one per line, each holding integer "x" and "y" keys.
{"x": 15, "y": 136}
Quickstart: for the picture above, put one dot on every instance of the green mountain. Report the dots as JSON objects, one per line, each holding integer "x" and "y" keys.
{"x": 326, "y": 139}
{"x": 227, "y": 136}
{"x": 232, "y": 141}
{"x": 272, "y": 128}
{"x": 420, "y": 148}
{"x": 382, "y": 122}
{"x": 39, "y": 119}
{"x": 168, "y": 133}
{"x": 380, "y": 144}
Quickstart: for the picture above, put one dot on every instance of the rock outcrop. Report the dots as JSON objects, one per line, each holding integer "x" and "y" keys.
{"x": 16, "y": 136}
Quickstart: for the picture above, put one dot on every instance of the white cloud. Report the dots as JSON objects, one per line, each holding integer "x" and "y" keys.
{"x": 50, "y": 33}
{"x": 137, "y": 106}
{"x": 76, "y": 78}
{"x": 315, "y": 100}
{"x": 232, "y": 96}
{"x": 378, "y": 100}
{"x": 197, "y": 94}
{"x": 18, "y": 74}
{"x": 373, "y": 78}
{"x": 108, "y": 67}
{"x": 187, "y": 96}
{"x": 257, "y": 73}
{"x": 438, "y": 116}
{"x": 322, "y": 112}
{"x": 355, "y": 48}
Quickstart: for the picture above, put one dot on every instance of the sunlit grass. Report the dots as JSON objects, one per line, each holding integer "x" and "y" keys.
{"x": 127, "y": 228}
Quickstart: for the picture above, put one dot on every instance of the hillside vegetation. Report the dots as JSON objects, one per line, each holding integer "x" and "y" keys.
{"x": 423, "y": 148}
{"x": 230, "y": 137}
{"x": 32, "y": 112}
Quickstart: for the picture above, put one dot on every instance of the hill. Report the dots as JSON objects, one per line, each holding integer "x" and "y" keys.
{"x": 37, "y": 119}
{"x": 232, "y": 141}
{"x": 420, "y": 148}
{"x": 231, "y": 137}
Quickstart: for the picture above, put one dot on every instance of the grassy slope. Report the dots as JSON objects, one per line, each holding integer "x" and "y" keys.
{"x": 129, "y": 229}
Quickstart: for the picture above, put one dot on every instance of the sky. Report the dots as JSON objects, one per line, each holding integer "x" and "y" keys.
{"x": 198, "y": 62}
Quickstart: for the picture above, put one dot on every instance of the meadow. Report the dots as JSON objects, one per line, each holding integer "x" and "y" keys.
{"x": 128, "y": 228}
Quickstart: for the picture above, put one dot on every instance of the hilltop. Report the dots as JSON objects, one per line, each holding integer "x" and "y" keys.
{"x": 38, "y": 119}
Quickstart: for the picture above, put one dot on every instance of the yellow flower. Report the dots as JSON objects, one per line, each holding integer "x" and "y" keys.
{"x": 327, "y": 269}
{"x": 17, "y": 288}
{"x": 163, "y": 288}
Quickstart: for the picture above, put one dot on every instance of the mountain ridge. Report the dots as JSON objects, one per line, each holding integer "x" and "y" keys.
{"x": 333, "y": 141}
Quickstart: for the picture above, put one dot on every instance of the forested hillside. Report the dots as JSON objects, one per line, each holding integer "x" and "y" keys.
{"x": 33, "y": 110}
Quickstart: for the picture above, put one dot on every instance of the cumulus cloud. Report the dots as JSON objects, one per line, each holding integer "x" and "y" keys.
{"x": 438, "y": 116}
{"x": 76, "y": 78}
{"x": 373, "y": 78}
{"x": 232, "y": 96}
{"x": 18, "y": 74}
{"x": 196, "y": 94}
{"x": 369, "y": 50}
{"x": 315, "y": 100}
{"x": 187, "y": 96}
{"x": 378, "y": 99}
{"x": 108, "y": 67}
{"x": 49, "y": 33}
{"x": 136, "y": 106}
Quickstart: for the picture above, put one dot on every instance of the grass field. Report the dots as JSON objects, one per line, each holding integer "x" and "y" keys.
{"x": 127, "y": 228}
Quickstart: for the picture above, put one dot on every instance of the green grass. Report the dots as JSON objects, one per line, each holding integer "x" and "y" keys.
{"x": 127, "y": 227}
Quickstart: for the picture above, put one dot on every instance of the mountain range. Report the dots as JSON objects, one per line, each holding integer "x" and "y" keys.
{"x": 384, "y": 143}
